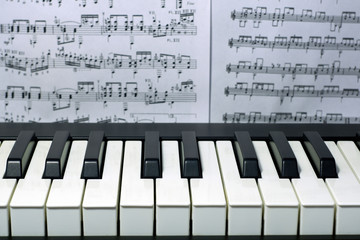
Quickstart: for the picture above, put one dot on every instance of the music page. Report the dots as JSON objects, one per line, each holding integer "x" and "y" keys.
{"x": 104, "y": 61}
{"x": 276, "y": 61}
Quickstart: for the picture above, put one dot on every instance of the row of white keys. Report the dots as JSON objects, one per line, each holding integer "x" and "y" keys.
{"x": 100, "y": 204}
{"x": 27, "y": 206}
{"x": 63, "y": 204}
{"x": 316, "y": 214}
{"x": 280, "y": 202}
{"x": 346, "y": 192}
{"x": 243, "y": 197}
{"x": 317, "y": 206}
{"x": 316, "y": 203}
{"x": 63, "y": 208}
{"x": 7, "y": 187}
{"x": 65, "y": 197}
{"x": 208, "y": 201}
{"x": 172, "y": 195}
{"x": 137, "y": 195}
{"x": 207, "y": 195}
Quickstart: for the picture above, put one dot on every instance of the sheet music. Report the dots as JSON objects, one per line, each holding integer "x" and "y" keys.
{"x": 149, "y": 61}
{"x": 104, "y": 61}
{"x": 285, "y": 61}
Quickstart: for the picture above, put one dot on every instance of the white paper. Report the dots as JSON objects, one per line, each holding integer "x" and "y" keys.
{"x": 104, "y": 61}
{"x": 149, "y": 61}
{"x": 285, "y": 61}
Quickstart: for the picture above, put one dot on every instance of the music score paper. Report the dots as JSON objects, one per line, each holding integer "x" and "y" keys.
{"x": 285, "y": 61}
{"x": 104, "y": 61}
{"x": 266, "y": 61}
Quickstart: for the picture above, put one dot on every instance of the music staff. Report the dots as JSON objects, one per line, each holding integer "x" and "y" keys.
{"x": 288, "y": 14}
{"x": 90, "y": 25}
{"x": 268, "y": 90}
{"x": 328, "y": 43}
{"x": 288, "y": 117}
{"x": 127, "y": 92}
{"x": 83, "y": 3}
{"x": 141, "y": 60}
{"x": 135, "y": 118}
{"x": 298, "y": 69}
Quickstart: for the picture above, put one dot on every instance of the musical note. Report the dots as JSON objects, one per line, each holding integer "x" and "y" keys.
{"x": 298, "y": 69}
{"x": 62, "y": 120}
{"x": 82, "y": 119}
{"x": 327, "y": 43}
{"x": 288, "y": 14}
{"x": 106, "y": 120}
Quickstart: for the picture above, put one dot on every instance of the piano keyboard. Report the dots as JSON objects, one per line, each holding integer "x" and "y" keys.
{"x": 187, "y": 180}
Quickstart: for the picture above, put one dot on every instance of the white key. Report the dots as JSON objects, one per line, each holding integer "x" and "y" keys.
{"x": 172, "y": 195}
{"x": 100, "y": 205}
{"x": 7, "y": 187}
{"x": 63, "y": 207}
{"x": 280, "y": 202}
{"x": 316, "y": 203}
{"x": 346, "y": 191}
{"x": 352, "y": 155}
{"x": 243, "y": 197}
{"x": 207, "y": 195}
{"x": 137, "y": 195}
{"x": 27, "y": 206}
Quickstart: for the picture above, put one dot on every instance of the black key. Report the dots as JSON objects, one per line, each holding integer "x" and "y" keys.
{"x": 93, "y": 160}
{"x": 151, "y": 165}
{"x": 19, "y": 157}
{"x": 246, "y": 156}
{"x": 320, "y": 156}
{"x": 358, "y": 142}
{"x": 285, "y": 159}
{"x": 190, "y": 160}
{"x": 57, "y": 156}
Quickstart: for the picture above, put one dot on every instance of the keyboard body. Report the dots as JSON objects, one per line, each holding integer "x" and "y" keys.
{"x": 170, "y": 131}
{"x": 208, "y": 132}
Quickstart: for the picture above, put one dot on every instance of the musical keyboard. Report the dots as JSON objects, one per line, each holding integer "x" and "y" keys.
{"x": 188, "y": 180}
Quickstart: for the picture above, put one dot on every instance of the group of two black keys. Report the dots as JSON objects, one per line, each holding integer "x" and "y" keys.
{"x": 284, "y": 158}
{"x": 21, "y": 153}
